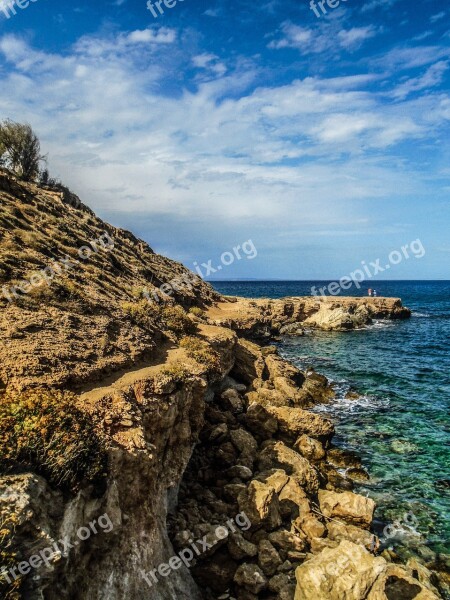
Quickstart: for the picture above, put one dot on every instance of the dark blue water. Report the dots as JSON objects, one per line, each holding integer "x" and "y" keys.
{"x": 400, "y": 425}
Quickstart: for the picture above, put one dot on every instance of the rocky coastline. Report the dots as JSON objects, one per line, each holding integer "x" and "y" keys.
{"x": 204, "y": 426}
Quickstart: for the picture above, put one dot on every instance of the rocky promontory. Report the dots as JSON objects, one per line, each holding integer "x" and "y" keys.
{"x": 174, "y": 420}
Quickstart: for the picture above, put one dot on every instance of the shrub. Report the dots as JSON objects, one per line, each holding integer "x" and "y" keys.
{"x": 139, "y": 312}
{"x": 197, "y": 312}
{"x": 201, "y": 352}
{"x": 8, "y": 558}
{"x": 176, "y": 371}
{"x": 170, "y": 318}
{"x": 44, "y": 431}
{"x": 20, "y": 149}
{"x": 176, "y": 319}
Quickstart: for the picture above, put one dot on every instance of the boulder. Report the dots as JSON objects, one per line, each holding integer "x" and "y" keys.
{"x": 240, "y": 548}
{"x": 295, "y": 421}
{"x": 293, "y": 500}
{"x": 239, "y": 471}
{"x": 260, "y": 503}
{"x": 268, "y": 558}
{"x": 249, "y": 363}
{"x": 251, "y": 578}
{"x": 244, "y": 441}
{"x": 343, "y": 573}
{"x": 351, "y": 508}
{"x": 278, "y": 367}
{"x": 340, "y": 531}
{"x": 260, "y": 422}
{"x": 277, "y": 455}
{"x": 274, "y": 477}
{"x": 310, "y": 526}
{"x": 286, "y": 540}
{"x": 310, "y": 448}
{"x": 395, "y": 583}
{"x": 318, "y": 388}
{"x": 230, "y": 400}
{"x": 339, "y": 457}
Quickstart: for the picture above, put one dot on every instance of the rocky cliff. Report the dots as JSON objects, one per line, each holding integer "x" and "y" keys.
{"x": 216, "y": 481}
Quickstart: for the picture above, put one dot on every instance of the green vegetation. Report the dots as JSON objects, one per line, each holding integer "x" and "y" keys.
{"x": 176, "y": 371}
{"x": 8, "y": 558}
{"x": 172, "y": 318}
{"x": 45, "y": 432}
{"x": 202, "y": 352}
{"x": 176, "y": 319}
{"x": 20, "y": 149}
{"x": 197, "y": 312}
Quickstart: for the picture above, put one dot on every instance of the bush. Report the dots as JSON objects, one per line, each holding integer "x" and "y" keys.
{"x": 197, "y": 312}
{"x": 20, "y": 149}
{"x": 176, "y": 319}
{"x": 45, "y": 432}
{"x": 170, "y": 318}
{"x": 176, "y": 371}
{"x": 8, "y": 558}
{"x": 201, "y": 352}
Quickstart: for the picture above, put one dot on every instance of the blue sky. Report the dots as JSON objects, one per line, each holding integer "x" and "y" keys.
{"x": 323, "y": 140}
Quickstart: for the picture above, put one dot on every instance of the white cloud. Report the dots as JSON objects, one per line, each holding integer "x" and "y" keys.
{"x": 356, "y": 36}
{"x": 216, "y": 155}
{"x": 432, "y": 77}
{"x": 437, "y": 17}
{"x": 163, "y": 35}
{"x": 324, "y": 37}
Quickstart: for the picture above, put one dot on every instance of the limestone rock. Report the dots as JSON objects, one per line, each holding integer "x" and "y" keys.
{"x": 260, "y": 422}
{"x": 340, "y": 531}
{"x": 268, "y": 558}
{"x": 318, "y": 387}
{"x": 352, "y": 508}
{"x": 396, "y": 582}
{"x": 251, "y": 578}
{"x": 277, "y": 478}
{"x": 244, "y": 441}
{"x": 293, "y": 500}
{"x": 231, "y": 401}
{"x": 277, "y": 455}
{"x": 344, "y": 573}
{"x": 249, "y": 361}
{"x": 278, "y": 367}
{"x": 296, "y": 421}
{"x": 239, "y": 471}
{"x": 339, "y": 457}
{"x": 240, "y": 548}
{"x": 285, "y": 540}
{"x": 310, "y": 526}
{"x": 310, "y": 448}
{"x": 260, "y": 503}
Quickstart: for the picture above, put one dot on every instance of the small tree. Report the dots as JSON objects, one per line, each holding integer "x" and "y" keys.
{"x": 20, "y": 149}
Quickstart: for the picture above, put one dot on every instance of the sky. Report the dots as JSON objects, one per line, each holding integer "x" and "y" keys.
{"x": 322, "y": 139}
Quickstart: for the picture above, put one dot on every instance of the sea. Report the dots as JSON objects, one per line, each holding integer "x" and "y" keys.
{"x": 400, "y": 423}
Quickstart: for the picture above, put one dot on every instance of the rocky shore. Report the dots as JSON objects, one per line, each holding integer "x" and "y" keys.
{"x": 201, "y": 425}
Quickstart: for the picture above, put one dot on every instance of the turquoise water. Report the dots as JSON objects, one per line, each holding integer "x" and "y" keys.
{"x": 400, "y": 425}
